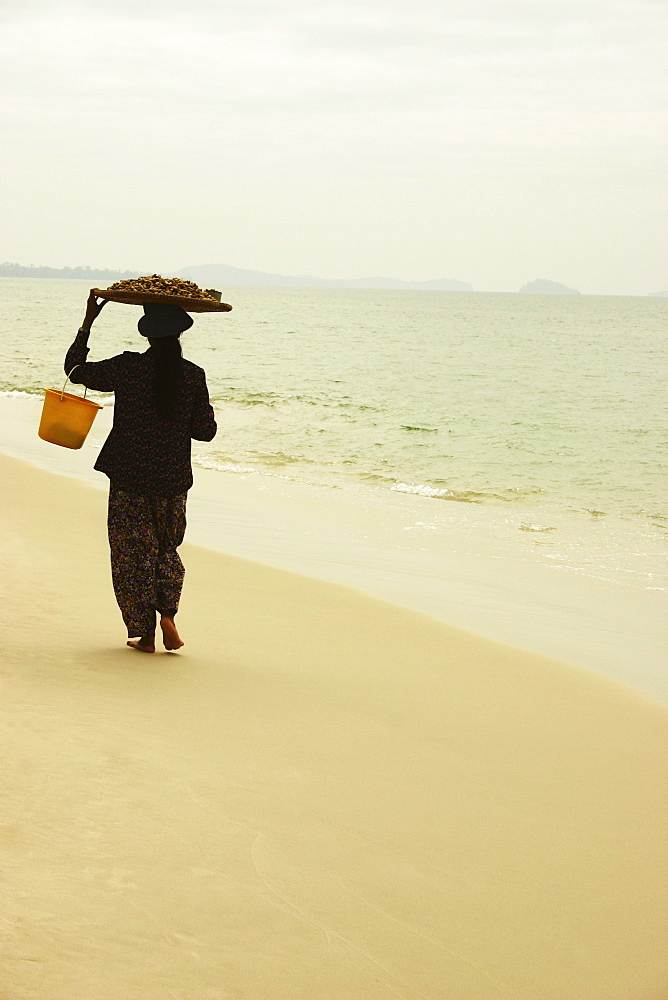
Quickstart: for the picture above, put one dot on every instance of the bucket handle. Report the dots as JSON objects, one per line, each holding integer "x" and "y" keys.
{"x": 67, "y": 380}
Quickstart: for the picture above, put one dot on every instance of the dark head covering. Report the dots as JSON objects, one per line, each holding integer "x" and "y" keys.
{"x": 163, "y": 320}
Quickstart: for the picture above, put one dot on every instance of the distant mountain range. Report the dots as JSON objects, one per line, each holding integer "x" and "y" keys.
{"x": 210, "y": 275}
{"x": 220, "y": 275}
{"x": 83, "y": 273}
{"x": 224, "y": 274}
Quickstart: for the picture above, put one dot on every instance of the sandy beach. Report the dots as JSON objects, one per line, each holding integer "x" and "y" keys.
{"x": 321, "y": 795}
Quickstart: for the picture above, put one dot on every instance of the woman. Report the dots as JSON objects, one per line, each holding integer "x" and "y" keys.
{"x": 161, "y": 403}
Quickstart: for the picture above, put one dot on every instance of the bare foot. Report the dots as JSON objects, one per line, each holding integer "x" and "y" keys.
{"x": 170, "y": 636}
{"x": 144, "y": 645}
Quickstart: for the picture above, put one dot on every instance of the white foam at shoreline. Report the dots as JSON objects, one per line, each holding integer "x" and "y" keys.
{"x": 467, "y": 564}
{"x": 421, "y": 490}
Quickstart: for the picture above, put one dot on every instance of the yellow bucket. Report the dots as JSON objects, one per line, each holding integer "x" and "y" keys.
{"x": 66, "y": 419}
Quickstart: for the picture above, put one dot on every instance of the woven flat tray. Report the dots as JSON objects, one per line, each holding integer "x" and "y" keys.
{"x": 139, "y": 298}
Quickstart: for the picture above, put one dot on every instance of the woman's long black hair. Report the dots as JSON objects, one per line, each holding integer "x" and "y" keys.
{"x": 168, "y": 372}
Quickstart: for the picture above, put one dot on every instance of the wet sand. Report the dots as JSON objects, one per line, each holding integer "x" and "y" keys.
{"x": 322, "y": 795}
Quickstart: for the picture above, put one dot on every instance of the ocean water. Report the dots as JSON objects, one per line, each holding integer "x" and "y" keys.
{"x": 549, "y": 411}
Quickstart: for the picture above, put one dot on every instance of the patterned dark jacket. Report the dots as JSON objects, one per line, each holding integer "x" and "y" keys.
{"x": 144, "y": 454}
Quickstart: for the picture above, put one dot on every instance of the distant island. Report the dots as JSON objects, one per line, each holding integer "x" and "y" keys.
{"x": 541, "y": 286}
{"x": 214, "y": 275}
{"x": 84, "y": 273}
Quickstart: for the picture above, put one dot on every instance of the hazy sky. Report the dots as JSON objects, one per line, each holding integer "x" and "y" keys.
{"x": 493, "y": 141}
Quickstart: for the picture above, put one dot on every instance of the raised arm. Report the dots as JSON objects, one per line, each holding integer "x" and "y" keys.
{"x": 96, "y": 374}
{"x": 94, "y": 307}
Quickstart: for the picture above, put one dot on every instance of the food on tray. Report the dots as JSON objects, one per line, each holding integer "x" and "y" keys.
{"x": 155, "y": 288}
{"x": 155, "y": 284}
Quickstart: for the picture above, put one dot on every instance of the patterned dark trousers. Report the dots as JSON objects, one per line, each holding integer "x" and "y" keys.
{"x": 146, "y": 570}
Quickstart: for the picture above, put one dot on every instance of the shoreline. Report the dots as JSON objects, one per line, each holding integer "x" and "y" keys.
{"x": 321, "y": 795}
{"x": 449, "y": 562}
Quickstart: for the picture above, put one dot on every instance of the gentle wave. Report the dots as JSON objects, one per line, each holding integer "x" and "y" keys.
{"x": 105, "y": 399}
{"x": 232, "y": 395}
{"x": 463, "y": 496}
{"x": 20, "y": 393}
{"x": 262, "y": 461}
{"x": 419, "y": 489}
{"x": 236, "y": 468}
{"x": 279, "y": 458}
{"x": 220, "y": 465}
